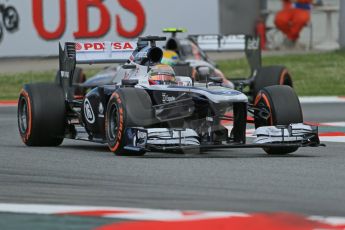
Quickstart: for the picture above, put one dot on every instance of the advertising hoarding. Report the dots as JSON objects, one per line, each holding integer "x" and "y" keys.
{"x": 34, "y": 27}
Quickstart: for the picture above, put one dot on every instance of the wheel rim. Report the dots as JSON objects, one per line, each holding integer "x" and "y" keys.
{"x": 113, "y": 122}
{"x": 23, "y": 115}
{"x": 263, "y": 104}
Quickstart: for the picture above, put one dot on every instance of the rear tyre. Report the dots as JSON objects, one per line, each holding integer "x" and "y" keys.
{"x": 127, "y": 107}
{"x": 283, "y": 106}
{"x": 271, "y": 75}
{"x": 41, "y": 115}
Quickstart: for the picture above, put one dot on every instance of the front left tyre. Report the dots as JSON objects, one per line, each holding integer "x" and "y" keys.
{"x": 127, "y": 107}
{"x": 41, "y": 114}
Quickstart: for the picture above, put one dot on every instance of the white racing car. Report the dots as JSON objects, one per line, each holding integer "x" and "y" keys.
{"x": 148, "y": 108}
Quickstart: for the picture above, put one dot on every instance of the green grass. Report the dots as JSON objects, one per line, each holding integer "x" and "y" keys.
{"x": 313, "y": 74}
{"x": 11, "y": 84}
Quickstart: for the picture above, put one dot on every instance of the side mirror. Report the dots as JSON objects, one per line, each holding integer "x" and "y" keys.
{"x": 216, "y": 80}
{"x": 129, "y": 66}
{"x": 203, "y": 73}
{"x": 129, "y": 82}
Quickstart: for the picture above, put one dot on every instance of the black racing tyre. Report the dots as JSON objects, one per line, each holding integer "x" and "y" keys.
{"x": 127, "y": 107}
{"x": 10, "y": 18}
{"x": 41, "y": 114}
{"x": 284, "y": 108}
{"x": 271, "y": 75}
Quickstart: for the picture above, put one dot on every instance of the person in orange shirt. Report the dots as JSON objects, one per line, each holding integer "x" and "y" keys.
{"x": 292, "y": 18}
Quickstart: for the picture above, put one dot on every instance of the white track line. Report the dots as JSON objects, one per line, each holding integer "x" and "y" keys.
{"x": 317, "y": 100}
{"x": 333, "y": 124}
{"x": 116, "y": 212}
{"x": 333, "y": 139}
{"x": 139, "y": 213}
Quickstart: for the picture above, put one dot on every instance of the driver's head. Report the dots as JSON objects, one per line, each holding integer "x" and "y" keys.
{"x": 162, "y": 75}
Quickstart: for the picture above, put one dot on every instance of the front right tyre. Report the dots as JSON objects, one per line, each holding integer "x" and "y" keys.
{"x": 271, "y": 75}
{"x": 283, "y": 108}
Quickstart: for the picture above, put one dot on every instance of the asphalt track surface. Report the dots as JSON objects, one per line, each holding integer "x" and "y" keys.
{"x": 310, "y": 181}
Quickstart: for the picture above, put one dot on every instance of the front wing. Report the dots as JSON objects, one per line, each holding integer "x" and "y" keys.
{"x": 163, "y": 139}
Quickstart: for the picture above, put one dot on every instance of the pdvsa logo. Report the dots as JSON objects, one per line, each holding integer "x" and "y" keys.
{"x": 99, "y": 46}
{"x": 9, "y": 20}
{"x": 83, "y": 29}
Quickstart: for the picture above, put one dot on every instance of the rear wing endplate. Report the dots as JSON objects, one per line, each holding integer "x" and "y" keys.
{"x": 220, "y": 43}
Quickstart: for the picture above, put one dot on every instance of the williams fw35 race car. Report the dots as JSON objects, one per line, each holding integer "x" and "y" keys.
{"x": 149, "y": 108}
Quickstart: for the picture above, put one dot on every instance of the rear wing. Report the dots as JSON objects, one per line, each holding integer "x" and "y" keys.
{"x": 99, "y": 52}
{"x": 220, "y": 43}
{"x": 226, "y": 43}
{"x": 89, "y": 53}
{"x": 174, "y": 31}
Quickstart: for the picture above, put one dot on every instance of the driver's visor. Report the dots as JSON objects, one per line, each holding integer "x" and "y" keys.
{"x": 162, "y": 77}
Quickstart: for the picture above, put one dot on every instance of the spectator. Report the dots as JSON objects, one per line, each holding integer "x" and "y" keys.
{"x": 292, "y": 18}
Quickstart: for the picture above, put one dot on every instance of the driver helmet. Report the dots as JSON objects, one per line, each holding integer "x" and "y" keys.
{"x": 170, "y": 58}
{"x": 162, "y": 75}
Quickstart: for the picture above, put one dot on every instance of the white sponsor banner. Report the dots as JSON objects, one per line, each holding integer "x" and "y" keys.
{"x": 97, "y": 52}
{"x": 34, "y": 27}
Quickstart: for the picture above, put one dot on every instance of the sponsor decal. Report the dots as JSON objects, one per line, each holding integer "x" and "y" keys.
{"x": 100, "y": 110}
{"x": 253, "y": 43}
{"x": 88, "y": 112}
{"x": 78, "y": 46}
{"x": 101, "y": 46}
{"x": 9, "y": 20}
{"x": 227, "y": 92}
{"x": 83, "y": 29}
{"x": 64, "y": 74}
{"x": 166, "y": 98}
